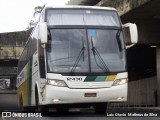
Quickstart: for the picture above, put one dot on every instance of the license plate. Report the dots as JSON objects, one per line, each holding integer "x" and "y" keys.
{"x": 90, "y": 94}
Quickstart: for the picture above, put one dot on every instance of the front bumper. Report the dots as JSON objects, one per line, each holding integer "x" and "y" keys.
{"x": 65, "y": 95}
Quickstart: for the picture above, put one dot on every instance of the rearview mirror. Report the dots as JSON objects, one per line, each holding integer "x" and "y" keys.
{"x": 43, "y": 32}
{"x": 130, "y": 33}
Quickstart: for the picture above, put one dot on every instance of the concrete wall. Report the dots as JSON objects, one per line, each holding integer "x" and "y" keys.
{"x": 140, "y": 93}
{"x": 122, "y": 6}
{"x": 83, "y": 2}
{"x": 158, "y": 76}
{"x": 11, "y": 44}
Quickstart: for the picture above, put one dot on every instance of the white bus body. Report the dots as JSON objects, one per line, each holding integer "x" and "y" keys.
{"x": 77, "y": 58}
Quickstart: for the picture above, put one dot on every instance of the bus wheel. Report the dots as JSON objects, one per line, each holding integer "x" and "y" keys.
{"x": 63, "y": 109}
{"x": 100, "y": 108}
{"x": 31, "y": 109}
{"x": 40, "y": 108}
{"x": 22, "y": 109}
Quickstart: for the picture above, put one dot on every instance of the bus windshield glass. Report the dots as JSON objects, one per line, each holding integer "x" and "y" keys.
{"x": 84, "y": 41}
{"x": 85, "y": 51}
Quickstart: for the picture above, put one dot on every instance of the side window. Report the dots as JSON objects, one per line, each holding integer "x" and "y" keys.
{"x": 42, "y": 62}
{"x": 29, "y": 50}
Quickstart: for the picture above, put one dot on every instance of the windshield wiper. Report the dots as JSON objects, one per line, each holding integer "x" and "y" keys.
{"x": 96, "y": 53}
{"x": 81, "y": 53}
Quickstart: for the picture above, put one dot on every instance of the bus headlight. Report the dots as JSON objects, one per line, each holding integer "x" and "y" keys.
{"x": 59, "y": 83}
{"x": 120, "y": 81}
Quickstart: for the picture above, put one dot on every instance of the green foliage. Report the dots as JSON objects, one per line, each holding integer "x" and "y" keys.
{"x": 38, "y": 9}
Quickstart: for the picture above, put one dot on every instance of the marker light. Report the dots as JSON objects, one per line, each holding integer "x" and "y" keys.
{"x": 120, "y": 98}
{"x": 56, "y": 100}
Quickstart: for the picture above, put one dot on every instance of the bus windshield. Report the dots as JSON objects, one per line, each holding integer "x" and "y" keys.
{"x": 85, "y": 51}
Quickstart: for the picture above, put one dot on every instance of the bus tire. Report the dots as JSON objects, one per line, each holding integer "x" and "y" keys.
{"x": 39, "y": 108}
{"x": 62, "y": 109}
{"x": 100, "y": 108}
{"x": 31, "y": 109}
{"x": 22, "y": 109}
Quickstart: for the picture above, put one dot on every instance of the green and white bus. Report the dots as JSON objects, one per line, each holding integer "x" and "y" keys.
{"x": 75, "y": 57}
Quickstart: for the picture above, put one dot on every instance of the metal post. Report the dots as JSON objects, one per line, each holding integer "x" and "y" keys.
{"x": 13, "y": 83}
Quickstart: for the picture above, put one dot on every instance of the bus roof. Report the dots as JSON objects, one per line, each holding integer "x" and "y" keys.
{"x": 82, "y": 7}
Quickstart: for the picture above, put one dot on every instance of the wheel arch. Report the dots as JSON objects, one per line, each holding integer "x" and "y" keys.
{"x": 37, "y": 92}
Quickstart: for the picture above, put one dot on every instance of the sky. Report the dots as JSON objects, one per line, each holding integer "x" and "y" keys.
{"x": 16, "y": 14}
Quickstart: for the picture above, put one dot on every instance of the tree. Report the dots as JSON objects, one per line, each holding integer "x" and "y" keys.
{"x": 31, "y": 24}
{"x": 38, "y": 10}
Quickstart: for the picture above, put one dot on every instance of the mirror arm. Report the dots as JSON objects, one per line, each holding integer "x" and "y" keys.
{"x": 43, "y": 45}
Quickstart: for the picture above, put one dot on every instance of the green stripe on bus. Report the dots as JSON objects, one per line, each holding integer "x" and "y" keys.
{"x": 100, "y": 79}
{"x": 29, "y": 82}
{"x": 90, "y": 78}
{"x": 95, "y": 79}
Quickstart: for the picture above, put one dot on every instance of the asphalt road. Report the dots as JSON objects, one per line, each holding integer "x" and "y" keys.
{"x": 8, "y": 103}
{"x": 84, "y": 118}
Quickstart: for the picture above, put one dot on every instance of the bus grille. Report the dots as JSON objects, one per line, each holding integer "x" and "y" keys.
{"x": 89, "y": 84}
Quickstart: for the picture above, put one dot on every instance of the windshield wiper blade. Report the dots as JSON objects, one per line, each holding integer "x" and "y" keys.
{"x": 96, "y": 53}
{"x": 81, "y": 53}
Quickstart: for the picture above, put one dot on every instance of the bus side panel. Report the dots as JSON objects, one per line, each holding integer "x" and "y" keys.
{"x": 29, "y": 82}
{"x": 35, "y": 76}
{"x": 24, "y": 89}
{"x": 22, "y": 93}
{"x": 35, "y": 65}
{"x": 25, "y": 69}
